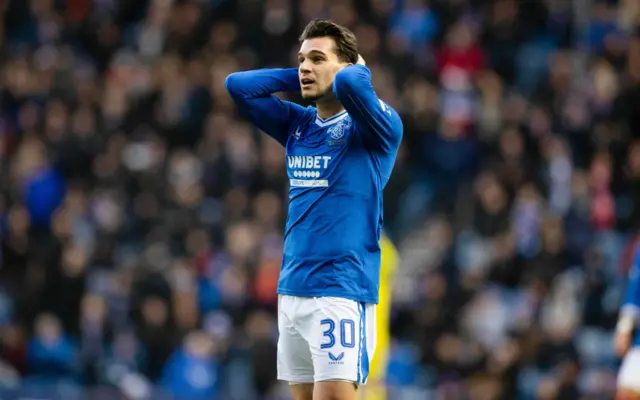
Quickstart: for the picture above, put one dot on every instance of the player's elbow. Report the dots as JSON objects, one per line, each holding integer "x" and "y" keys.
{"x": 390, "y": 143}
{"x": 234, "y": 83}
{"x": 389, "y": 134}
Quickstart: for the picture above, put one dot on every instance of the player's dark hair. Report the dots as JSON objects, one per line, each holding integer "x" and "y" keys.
{"x": 346, "y": 43}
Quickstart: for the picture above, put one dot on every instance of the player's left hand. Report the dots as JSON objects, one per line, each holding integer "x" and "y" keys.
{"x": 361, "y": 60}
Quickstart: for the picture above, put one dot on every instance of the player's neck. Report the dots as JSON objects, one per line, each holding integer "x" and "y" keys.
{"x": 329, "y": 108}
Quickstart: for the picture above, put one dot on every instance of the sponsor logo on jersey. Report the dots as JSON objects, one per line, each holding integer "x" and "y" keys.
{"x": 336, "y": 359}
{"x": 308, "y": 162}
{"x": 309, "y": 169}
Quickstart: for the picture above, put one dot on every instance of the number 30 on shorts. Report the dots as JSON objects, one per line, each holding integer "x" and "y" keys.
{"x": 347, "y": 333}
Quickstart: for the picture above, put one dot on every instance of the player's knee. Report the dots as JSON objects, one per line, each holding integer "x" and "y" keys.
{"x": 335, "y": 390}
{"x": 627, "y": 394}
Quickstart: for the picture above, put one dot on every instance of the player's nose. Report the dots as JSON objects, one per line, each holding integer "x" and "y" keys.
{"x": 305, "y": 67}
{"x": 303, "y": 71}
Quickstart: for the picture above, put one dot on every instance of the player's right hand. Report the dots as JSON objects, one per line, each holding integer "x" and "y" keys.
{"x": 622, "y": 343}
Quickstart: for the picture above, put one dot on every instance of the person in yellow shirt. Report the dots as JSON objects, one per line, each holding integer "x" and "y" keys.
{"x": 375, "y": 389}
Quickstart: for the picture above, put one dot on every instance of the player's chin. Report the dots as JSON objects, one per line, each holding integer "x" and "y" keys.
{"x": 313, "y": 95}
{"x": 307, "y": 90}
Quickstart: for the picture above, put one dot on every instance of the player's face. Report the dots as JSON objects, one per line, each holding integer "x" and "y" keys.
{"x": 318, "y": 66}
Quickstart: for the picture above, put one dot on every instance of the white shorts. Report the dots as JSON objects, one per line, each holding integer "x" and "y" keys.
{"x": 629, "y": 375}
{"x": 325, "y": 339}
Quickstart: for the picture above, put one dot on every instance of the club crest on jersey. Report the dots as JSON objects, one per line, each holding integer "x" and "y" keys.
{"x": 337, "y": 132}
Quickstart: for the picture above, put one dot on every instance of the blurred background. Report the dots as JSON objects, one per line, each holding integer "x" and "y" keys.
{"x": 141, "y": 216}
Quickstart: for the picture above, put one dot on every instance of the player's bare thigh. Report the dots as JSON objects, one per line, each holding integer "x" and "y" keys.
{"x": 325, "y": 390}
{"x": 301, "y": 391}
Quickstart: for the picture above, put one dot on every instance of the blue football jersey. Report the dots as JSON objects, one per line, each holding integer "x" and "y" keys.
{"x": 631, "y": 302}
{"x": 337, "y": 169}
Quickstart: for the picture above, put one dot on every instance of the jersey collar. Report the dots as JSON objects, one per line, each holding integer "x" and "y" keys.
{"x": 322, "y": 122}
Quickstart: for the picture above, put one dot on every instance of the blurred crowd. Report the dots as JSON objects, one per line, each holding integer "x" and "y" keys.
{"x": 141, "y": 216}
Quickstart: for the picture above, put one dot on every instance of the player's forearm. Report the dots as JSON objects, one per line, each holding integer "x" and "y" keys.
{"x": 377, "y": 122}
{"x": 262, "y": 82}
{"x": 351, "y": 82}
